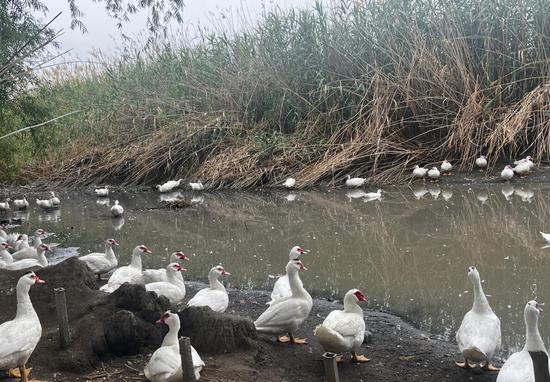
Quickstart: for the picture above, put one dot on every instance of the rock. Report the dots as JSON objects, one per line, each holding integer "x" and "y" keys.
{"x": 127, "y": 334}
{"x": 214, "y": 333}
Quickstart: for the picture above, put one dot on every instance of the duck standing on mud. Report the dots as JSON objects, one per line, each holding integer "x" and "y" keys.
{"x": 344, "y": 330}
{"x": 433, "y": 174}
{"x": 20, "y": 335}
{"x": 419, "y": 172}
{"x": 481, "y": 162}
{"x": 446, "y": 167}
{"x": 479, "y": 335}
{"x": 285, "y": 315}
{"x": 507, "y": 173}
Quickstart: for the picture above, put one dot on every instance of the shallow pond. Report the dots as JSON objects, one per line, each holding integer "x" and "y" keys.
{"x": 408, "y": 252}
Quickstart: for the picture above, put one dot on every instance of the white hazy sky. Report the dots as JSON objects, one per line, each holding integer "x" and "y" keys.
{"x": 103, "y": 33}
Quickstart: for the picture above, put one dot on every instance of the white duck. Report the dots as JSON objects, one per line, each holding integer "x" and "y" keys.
{"x": 11, "y": 238}
{"x": 174, "y": 288}
{"x": 478, "y": 337}
{"x": 198, "y": 186}
{"x": 546, "y": 237}
{"x": 22, "y": 242}
{"x": 127, "y": 273}
{"x": 344, "y": 330}
{"x": 5, "y": 257}
{"x": 370, "y": 196}
{"x": 165, "y": 363}
{"x": 31, "y": 251}
{"x": 21, "y": 335}
{"x": 446, "y": 167}
{"x": 528, "y": 160}
{"x": 101, "y": 263}
{"x": 54, "y": 199}
{"x": 419, "y": 172}
{"x": 169, "y": 186}
{"x": 26, "y": 264}
{"x": 45, "y": 204}
{"x": 355, "y": 182}
{"x": 507, "y": 173}
{"x": 289, "y": 183}
{"x": 287, "y": 314}
{"x": 523, "y": 168}
{"x": 21, "y": 204}
{"x": 102, "y": 192}
{"x": 281, "y": 288}
{"x": 519, "y": 367}
{"x": 5, "y": 206}
{"x": 215, "y": 296}
{"x": 433, "y": 173}
{"x": 481, "y": 162}
{"x": 117, "y": 209}
{"x": 155, "y": 275}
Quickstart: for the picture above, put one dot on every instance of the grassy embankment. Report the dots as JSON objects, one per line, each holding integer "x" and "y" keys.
{"x": 358, "y": 87}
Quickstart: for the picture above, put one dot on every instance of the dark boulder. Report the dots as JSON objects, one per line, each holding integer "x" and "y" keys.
{"x": 214, "y": 333}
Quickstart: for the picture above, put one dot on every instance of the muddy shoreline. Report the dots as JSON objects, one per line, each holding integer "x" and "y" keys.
{"x": 540, "y": 175}
{"x": 398, "y": 351}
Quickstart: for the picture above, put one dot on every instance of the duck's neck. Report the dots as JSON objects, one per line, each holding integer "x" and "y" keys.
{"x": 37, "y": 242}
{"x": 533, "y": 340}
{"x": 350, "y": 306}
{"x": 24, "y": 304}
{"x": 172, "y": 277}
{"x": 136, "y": 261}
{"x": 42, "y": 258}
{"x": 171, "y": 338}
{"x": 481, "y": 305}
{"x": 6, "y": 256}
{"x": 215, "y": 283}
{"x": 109, "y": 253}
{"x": 296, "y": 285}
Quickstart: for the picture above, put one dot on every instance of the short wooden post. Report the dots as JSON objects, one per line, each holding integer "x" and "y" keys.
{"x": 331, "y": 367}
{"x": 187, "y": 369}
{"x": 62, "y": 317}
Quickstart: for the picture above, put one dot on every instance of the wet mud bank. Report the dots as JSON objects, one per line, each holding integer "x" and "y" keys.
{"x": 112, "y": 336}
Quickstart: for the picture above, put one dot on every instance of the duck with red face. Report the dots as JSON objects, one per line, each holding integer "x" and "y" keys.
{"x": 344, "y": 330}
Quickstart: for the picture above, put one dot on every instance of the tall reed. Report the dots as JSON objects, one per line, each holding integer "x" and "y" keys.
{"x": 360, "y": 87}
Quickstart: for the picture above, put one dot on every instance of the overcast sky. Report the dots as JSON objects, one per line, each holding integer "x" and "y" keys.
{"x": 103, "y": 33}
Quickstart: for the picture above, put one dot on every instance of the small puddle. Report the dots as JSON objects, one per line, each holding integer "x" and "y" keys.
{"x": 408, "y": 252}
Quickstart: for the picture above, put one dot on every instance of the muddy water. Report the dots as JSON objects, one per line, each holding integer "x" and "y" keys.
{"x": 409, "y": 252}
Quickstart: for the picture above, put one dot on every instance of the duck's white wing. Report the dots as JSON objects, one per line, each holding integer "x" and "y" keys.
{"x": 25, "y": 253}
{"x": 198, "y": 363}
{"x": 283, "y": 313}
{"x": 96, "y": 262}
{"x": 24, "y": 264}
{"x": 217, "y": 300}
{"x": 281, "y": 289}
{"x": 18, "y": 336}
{"x": 166, "y": 289}
{"x": 154, "y": 275}
{"x": 164, "y": 363}
{"x": 481, "y": 331}
{"x": 347, "y": 324}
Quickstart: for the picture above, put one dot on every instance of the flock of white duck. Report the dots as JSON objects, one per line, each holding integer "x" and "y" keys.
{"x": 342, "y": 331}
{"x": 521, "y": 167}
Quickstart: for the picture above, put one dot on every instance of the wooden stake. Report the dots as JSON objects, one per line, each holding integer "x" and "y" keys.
{"x": 63, "y": 318}
{"x": 187, "y": 368}
{"x": 331, "y": 367}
